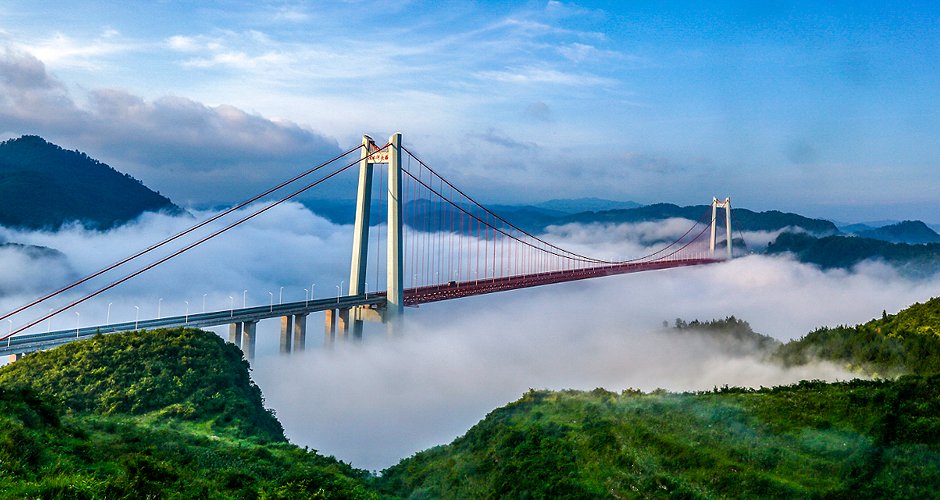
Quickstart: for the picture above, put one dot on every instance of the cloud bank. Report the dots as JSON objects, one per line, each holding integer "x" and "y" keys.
{"x": 175, "y": 144}
{"x": 374, "y": 403}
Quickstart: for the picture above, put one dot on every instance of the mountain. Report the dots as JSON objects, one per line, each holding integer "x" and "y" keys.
{"x": 858, "y": 439}
{"x": 159, "y": 415}
{"x": 913, "y": 232}
{"x": 44, "y": 186}
{"x": 843, "y": 252}
{"x": 895, "y": 344}
{"x": 572, "y": 206}
{"x": 745, "y": 220}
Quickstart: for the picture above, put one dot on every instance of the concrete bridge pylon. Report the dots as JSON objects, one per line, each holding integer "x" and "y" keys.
{"x": 716, "y": 204}
{"x": 347, "y": 323}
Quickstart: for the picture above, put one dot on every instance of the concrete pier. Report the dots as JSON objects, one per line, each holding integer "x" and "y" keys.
{"x": 300, "y": 332}
{"x": 235, "y": 334}
{"x": 287, "y": 328}
{"x": 248, "y": 336}
{"x": 329, "y": 329}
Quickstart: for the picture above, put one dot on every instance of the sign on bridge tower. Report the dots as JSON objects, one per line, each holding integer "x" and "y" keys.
{"x": 714, "y": 229}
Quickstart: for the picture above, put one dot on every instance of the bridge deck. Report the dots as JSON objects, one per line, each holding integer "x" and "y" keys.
{"x": 413, "y": 296}
{"x": 39, "y": 341}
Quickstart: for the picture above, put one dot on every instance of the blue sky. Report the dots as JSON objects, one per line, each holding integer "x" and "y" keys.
{"x": 826, "y": 110}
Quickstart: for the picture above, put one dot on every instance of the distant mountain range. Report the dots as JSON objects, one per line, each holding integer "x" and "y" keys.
{"x": 44, "y": 186}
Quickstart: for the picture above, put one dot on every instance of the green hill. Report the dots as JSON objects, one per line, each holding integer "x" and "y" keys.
{"x": 848, "y": 440}
{"x": 45, "y": 186}
{"x": 906, "y": 342}
{"x": 843, "y": 252}
{"x": 160, "y": 414}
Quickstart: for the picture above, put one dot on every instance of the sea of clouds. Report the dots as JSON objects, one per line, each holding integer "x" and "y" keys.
{"x": 384, "y": 399}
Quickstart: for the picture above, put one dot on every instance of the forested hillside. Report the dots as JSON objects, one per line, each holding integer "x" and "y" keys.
{"x": 843, "y": 252}
{"x": 848, "y": 440}
{"x": 161, "y": 414}
{"x": 45, "y": 186}
{"x": 906, "y": 342}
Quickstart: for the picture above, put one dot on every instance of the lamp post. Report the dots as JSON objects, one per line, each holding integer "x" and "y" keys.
{"x": 78, "y": 320}
{"x": 280, "y": 296}
{"x": 204, "y": 302}
{"x": 272, "y": 301}
{"x": 187, "y": 311}
{"x": 108, "y": 321}
{"x": 137, "y": 318}
{"x": 306, "y": 297}
{"x": 49, "y": 323}
{"x": 159, "y": 306}
{"x": 232, "y": 307}
{"x": 244, "y": 298}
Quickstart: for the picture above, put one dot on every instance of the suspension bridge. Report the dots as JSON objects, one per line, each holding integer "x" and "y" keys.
{"x": 440, "y": 244}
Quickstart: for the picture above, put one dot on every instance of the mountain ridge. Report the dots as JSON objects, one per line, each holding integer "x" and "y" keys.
{"x": 45, "y": 186}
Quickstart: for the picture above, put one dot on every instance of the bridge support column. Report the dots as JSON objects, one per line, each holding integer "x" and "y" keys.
{"x": 286, "y": 331}
{"x": 329, "y": 329}
{"x": 16, "y": 356}
{"x": 342, "y": 324}
{"x": 235, "y": 334}
{"x": 300, "y": 332}
{"x": 395, "y": 280}
{"x": 248, "y": 339}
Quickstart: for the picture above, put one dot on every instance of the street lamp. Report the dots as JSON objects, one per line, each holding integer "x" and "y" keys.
{"x": 280, "y": 296}
{"x": 337, "y": 294}
{"x": 306, "y": 297}
{"x": 137, "y": 318}
{"x": 232, "y": 310}
{"x": 244, "y": 298}
{"x": 204, "y": 302}
{"x": 78, "y": 320}
{"x": 187, "y": 311}
{"x": 272, "y": 301}
{"x": 108, "y": 321}
{"x": 159, "y": 305}
{"x": 49, "y": 323}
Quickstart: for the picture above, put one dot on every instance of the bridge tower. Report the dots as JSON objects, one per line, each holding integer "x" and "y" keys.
{"x": 714, "y": 229}
{"x": 351, "y": 319}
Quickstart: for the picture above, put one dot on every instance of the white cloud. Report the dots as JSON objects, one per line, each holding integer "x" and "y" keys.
{"x": 383, "y": 400}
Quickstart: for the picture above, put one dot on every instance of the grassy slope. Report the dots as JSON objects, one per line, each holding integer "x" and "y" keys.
{"x": 859, "y": 439}
{"x": 907, "y": 342}
{"x": 161, "y": 414}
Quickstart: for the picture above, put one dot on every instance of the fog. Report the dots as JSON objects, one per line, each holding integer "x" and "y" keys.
{"x": 376, "y": 402}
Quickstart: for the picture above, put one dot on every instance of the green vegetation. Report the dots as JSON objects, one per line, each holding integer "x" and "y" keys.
{"x": 857, "y": 439}
{"x": 907, "y": 342}
{"x": 737, "y": 335}
{"x": 44, "y": 186}
{"x": 159, "y": 414}
{"x": 173, "y": 414}
{"x": 843, "y": 252}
